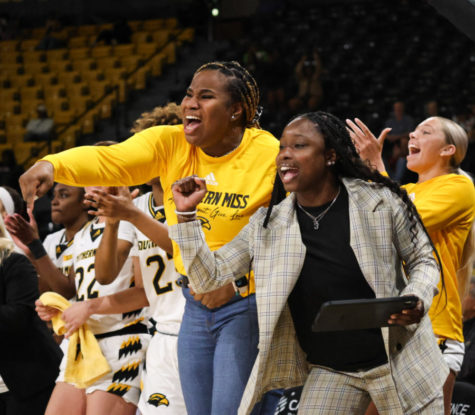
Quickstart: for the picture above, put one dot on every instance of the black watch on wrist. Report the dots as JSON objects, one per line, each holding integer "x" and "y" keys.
{"x": 241, "y": 285}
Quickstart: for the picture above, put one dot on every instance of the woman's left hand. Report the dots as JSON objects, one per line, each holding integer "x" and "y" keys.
{"x": 408, "y": 316}
{"x": 75, "y": 316}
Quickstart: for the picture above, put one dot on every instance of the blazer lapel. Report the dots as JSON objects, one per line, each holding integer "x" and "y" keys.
{"x": 363, "y": 211}
{"x": 283, "y": 259}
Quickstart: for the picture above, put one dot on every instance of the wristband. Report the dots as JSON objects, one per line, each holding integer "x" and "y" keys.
{"x": 37, "y": 249}
{"x": 185, "y": 213}
{"x": 240, "y": 285}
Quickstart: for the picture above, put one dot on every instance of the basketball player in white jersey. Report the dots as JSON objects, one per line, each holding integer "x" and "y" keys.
{"x": 161, "y": 393}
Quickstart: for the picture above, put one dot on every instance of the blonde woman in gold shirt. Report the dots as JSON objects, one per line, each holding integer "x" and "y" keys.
{"x": 445, "y": 200}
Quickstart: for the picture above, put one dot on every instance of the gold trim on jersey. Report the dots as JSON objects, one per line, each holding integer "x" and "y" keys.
{"x": 157, "y": 213}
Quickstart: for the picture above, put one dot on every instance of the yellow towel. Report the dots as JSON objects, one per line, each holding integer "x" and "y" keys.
{"x": 85, "y": 362}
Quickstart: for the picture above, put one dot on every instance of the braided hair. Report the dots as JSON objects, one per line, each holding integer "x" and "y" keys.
{"x": 242, "y": 87}
{"x": 349, "y": 164}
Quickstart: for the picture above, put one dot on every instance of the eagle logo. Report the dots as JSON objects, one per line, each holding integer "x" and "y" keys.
{"x": 204, "y": 222}
{"x": 157, "y": 399}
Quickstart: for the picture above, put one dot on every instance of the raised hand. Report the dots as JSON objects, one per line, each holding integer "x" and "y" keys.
{"x": 24, "y": 232}
{"x": 115, "y": 203}
{"x": 188, "y": 193}
{"x": 368, "y": 146}
{"x": 36, "y": 181}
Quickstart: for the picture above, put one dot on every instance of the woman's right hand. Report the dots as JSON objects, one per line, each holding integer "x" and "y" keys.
{"x": 368, "y": 146}
{"x": 45, "y": 313}
{"x": 188, "y": 193}
{"x": 36, "y": 181}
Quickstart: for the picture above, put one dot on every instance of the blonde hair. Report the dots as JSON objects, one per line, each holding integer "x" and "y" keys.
{"x": 6, "y": 244}
{"x": 170, "y": 114}
{"x": 457, "y": 136}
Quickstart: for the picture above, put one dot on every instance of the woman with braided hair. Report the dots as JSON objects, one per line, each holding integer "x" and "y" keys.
{"x": 220, "y": 140}
{"x": 344, "y": 232}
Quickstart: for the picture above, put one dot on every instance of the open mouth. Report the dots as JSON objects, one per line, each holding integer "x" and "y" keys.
{"x": 191, "y": 123}
{"x": 287, "y": 173}
{"x": 413, "y": 149}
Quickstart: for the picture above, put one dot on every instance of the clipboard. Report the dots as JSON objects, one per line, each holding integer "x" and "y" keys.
{"x": 360, "y": 314}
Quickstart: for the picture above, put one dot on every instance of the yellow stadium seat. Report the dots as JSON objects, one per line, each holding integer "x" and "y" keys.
{"x": 99, "y": 88}
{"x": 7, "y": 46}
{"x": 88, "y": 122}
{"x": 45, "y": 79}
{"x": 64, "y": 115}
{"x": 56, "y": 104}
{"x": 34, "y": 56}
{"x": 83, "y": 103}
{"x": 69, "y": 77}
{"x": 16, "y": 118}
{"x": 69, "y": 136}
{"x": 161, "y": 37}
{"x": 77, "y": 89}
{"x": 170, "y": 52}
{"x": 92, "y": 75}
{"x": 25, "y": 152}
{"x": 34, "y": 68}
{"x": 20, "y": 81}
{"x": 153, "y": 24}
{"x": 84, "y": 65}
{"x": 135, "y": 25}
{"x": 7, "y": 107}
{"x": 88, "y": 30}
{"x": 187, "y": 35}
{"x": 29, "y": 44}
{"x": 105, "y": 26}
{"x": 38, "y": 32}
{"x": 60, "y": 66}
{"x": 124, "y": 50}
{"x": 107, "y": 63}
{"x": 31, "y": 92}
{"x": 156, "y": 64}
{"x": 171, "y": 23}
{"x": 101, "y": 51}
{"x": 57, "y": 55}
{"x": 9, "y": 69}
{"x": 11, "y": 57}
{"x": 79, "y": 42}
{"x": 29, "y": 106}
{"x": 15, "y": 134}
{"x": 146, "y": 49}
{"x": 131, "y": 62}
{"x": 141, "y": 78}
{"x": 141, "y": 37}
{"x": 79, "y": 53}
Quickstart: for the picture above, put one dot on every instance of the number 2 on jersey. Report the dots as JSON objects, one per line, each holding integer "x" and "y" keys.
{"x": 156, "y": 279}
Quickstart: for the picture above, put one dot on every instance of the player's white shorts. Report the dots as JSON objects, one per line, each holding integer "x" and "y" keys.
{"x": 161, "y": 393}
{"x": 453, "y": 352}
{"x": 125, "y": 354}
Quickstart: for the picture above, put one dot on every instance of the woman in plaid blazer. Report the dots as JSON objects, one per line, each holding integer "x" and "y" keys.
{"x": 383, "y": 247}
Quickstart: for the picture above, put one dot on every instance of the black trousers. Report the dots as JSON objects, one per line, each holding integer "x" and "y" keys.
{"x": 33, "y": 405}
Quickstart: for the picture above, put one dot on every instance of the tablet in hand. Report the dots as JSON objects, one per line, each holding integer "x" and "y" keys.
{"x": 360, "y": 314}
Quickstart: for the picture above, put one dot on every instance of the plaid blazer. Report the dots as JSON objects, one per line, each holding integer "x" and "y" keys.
{"x": 382, "y": 241}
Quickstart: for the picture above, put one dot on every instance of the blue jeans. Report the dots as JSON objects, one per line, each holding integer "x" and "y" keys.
{"x": 216, "y": 351}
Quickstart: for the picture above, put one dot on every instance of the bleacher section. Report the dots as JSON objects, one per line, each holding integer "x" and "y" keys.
{"x": 79, "y": 84}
